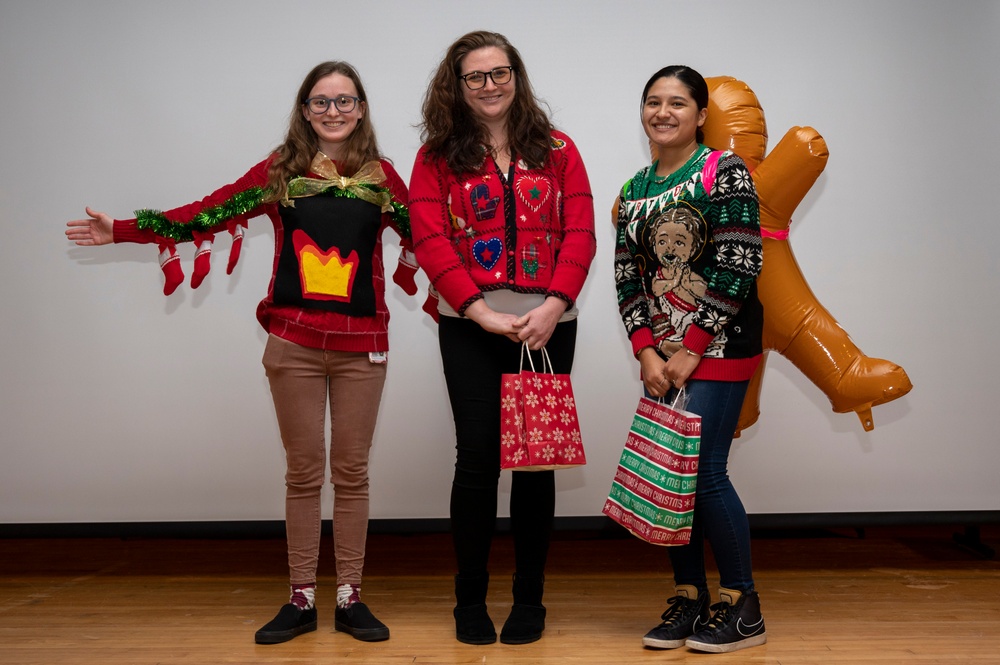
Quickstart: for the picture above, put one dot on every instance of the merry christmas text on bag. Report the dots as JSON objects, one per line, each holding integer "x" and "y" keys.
{"x": 654, "y": 487}
{"x": 539, "y": 428}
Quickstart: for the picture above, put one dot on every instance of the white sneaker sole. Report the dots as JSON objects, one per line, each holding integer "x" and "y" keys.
{"x": 754, "y": 641}
{"x": 662, "y": 644}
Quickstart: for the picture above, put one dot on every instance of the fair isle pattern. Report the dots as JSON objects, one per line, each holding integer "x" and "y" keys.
{"x": 721, "y": 267}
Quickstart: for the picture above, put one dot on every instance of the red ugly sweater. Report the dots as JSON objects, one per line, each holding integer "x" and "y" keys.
{"x": 529, "y": 232}
{"x": 327, "y": 288}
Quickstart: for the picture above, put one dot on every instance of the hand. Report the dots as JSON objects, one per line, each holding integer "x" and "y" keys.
{"x": 680, "y": 366}
{"x": 493, "y": 321}
{"x": 98, "y": 230}
{"x": 654, "y": 376}
{"x": 537, "y": 326}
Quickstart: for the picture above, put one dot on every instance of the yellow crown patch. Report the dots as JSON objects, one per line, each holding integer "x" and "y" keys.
{"x": 324, "y": 275}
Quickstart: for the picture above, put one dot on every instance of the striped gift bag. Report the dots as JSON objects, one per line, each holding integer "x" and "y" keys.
{"x": 653, "y": 491}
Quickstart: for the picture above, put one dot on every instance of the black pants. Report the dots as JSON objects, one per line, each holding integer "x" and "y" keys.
{"x": 473, "y": 361}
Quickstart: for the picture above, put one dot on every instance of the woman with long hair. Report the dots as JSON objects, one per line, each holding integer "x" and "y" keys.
{"x": 329, "y": 194}
{"x": 688, "y": 300}
{"x": 503, "y": 225}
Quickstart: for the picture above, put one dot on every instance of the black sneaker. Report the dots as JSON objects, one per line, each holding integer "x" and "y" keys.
{"x": 736, "y": 624}
{"x": 359, "y": 622}
{"x": 288, "y": 623}
{"x": 687, "y": 613}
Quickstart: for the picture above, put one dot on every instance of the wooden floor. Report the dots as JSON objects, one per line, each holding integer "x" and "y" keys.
{"x": 892, "y": 596}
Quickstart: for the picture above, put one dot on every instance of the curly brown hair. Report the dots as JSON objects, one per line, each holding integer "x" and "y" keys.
{"x": 294, "y": 156}
{"x": 451, "y": 132}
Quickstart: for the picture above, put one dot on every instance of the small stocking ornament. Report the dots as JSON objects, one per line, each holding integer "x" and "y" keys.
{"x": 405, "y": 270}
{"x": 170, "y": 264}
{"x": 431, "y": 304}
{"x": 202, "y": 257}
{"x": 236, "y": 227}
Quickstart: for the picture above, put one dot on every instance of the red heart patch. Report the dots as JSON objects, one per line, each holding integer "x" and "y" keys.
{"x": 533, "y": 191}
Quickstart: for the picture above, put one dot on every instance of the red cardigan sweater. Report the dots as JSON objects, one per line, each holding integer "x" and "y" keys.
{"x": 309, "y": 327}
{"x": 476, "y": 232}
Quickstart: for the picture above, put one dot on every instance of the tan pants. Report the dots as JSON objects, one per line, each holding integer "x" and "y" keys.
{"x": 301, "y": 379}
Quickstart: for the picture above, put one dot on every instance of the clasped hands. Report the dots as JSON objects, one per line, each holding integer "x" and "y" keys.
{"x": 659, "y": 375}
{"x": 535, "y": 328}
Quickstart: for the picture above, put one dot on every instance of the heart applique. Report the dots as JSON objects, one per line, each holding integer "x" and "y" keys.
{"x": 533, "y": 191}
{"x": 487, "y": 252}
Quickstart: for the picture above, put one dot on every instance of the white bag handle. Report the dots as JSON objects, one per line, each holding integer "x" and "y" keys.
{"x": 545, "y": 359}
{"x": 680, "y": 400}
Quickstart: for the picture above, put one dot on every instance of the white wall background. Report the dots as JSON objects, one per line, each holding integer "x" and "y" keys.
{"x": 122, "y": 405}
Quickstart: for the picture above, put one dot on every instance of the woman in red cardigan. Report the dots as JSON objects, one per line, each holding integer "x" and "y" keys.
{"x": 325, "y": 314}
{"x": 503, "y": 224}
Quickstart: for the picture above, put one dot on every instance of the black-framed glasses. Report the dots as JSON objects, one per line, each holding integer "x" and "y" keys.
{"x": 499, "y": 76}
{"x": 320, "y": 105}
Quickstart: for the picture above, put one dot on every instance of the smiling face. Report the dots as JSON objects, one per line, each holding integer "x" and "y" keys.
{"x": 491, "y": 103}
{"x": 670, "y": 115}
{"x": 333, "y": 128}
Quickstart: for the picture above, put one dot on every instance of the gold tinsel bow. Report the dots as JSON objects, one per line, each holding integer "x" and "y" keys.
{"x": 369, "y": 174}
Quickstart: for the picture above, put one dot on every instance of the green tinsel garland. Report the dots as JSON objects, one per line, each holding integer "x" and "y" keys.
{"x": 401, "y": 215}
{"x": 240, "y": 204}
{"x": 206, "y": 220}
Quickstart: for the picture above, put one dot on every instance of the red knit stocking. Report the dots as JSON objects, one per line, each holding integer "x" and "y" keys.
{"x": 431, "y": 304}
{"x": 405, "y": 270}
{"x": 170, "y": 264}
{"x": 236, "y": 229}
{"x": 202, "y": 258}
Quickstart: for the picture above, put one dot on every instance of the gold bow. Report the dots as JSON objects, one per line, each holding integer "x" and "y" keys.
{"x": 369, "y": 174}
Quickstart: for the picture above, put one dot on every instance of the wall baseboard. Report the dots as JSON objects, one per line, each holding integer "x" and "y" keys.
{"x": 595, "y": 526}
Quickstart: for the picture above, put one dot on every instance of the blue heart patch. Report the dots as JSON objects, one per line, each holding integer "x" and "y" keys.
{"x": 487, "y": 252}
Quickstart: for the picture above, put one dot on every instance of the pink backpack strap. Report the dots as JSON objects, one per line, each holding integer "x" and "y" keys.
{"x": 708, "y": 173}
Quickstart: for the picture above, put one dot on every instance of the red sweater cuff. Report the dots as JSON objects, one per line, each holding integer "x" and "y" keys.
{"x": 125, "y": 230}
{"x": 697, "y": 339}
{"x": 640, "y": 339}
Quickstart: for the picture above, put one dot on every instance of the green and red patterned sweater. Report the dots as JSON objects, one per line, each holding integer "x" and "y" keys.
{"x": 686, "y": 264}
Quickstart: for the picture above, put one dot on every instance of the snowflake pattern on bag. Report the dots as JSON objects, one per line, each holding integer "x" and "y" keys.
{"x": 539, "y": 428}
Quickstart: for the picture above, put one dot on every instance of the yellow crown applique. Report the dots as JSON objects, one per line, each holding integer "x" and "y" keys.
{"x": 324, "y": 275}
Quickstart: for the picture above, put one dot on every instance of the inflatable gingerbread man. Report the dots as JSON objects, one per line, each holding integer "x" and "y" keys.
{"x": 796, "y": 325}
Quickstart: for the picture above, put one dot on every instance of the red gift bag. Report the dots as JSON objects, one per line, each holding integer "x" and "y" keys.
{"x": 539, "y": 428}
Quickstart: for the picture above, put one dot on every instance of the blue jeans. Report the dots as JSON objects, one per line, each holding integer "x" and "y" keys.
{"x": 719, "y": 516}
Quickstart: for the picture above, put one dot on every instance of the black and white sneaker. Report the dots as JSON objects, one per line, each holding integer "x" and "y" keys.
{"x": 736, "y": 624}
{"x": 686, "y": 614}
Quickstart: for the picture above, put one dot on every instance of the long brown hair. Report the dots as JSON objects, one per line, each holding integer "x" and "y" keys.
{"x": 451, "y": 132}
{"x": 293, "y": 157}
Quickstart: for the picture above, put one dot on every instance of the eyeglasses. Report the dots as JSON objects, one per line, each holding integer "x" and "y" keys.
{"x": 320, "y": 105}
{"x": 499, "y": 76}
